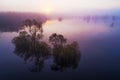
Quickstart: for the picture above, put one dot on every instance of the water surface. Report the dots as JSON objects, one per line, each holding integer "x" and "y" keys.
{"x": 99, "y": 44}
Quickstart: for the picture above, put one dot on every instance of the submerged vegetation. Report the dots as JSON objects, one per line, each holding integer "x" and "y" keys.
{"x": 30, "y": 46}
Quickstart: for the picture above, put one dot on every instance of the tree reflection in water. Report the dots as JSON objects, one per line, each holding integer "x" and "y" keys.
{"x": 29, "y": 45}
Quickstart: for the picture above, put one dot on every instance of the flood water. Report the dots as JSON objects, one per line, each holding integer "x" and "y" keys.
{"x": 99, "y": 44}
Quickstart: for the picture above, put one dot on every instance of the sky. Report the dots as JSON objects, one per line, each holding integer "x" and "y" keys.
{"x": 48, "y": 6}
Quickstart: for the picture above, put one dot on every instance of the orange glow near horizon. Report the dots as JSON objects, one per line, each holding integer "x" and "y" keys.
{"x": 47, "y": 10}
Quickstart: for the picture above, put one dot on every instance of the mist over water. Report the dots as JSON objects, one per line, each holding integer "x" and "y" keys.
{"x": 98, "y": 37}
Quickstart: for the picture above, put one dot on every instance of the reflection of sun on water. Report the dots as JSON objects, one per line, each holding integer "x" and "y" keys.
{"x": 72, "y": 28}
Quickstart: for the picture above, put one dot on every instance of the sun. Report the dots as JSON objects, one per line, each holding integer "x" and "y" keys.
{"x": 47, "y": 10}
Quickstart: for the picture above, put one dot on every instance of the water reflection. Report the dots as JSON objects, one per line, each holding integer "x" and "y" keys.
{"x": 98, "y": 42}
{"x": 29, "y": 46}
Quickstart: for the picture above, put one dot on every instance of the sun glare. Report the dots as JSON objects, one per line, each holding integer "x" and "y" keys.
{"x": 47, "y": 10}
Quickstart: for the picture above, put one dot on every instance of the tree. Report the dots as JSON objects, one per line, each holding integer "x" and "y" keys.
{"x": 61, "y": 39}
{"x": 35, "y": 30}
{"x": 36, "y": 54}
{"x": 57, "y": 40}
{"x": 67, "y": 57}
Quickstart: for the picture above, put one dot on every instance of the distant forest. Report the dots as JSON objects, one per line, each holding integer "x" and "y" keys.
{"x": 11, "y": 21}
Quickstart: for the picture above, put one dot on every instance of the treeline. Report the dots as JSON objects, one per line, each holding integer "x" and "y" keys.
{"x": 11, "y": 21}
